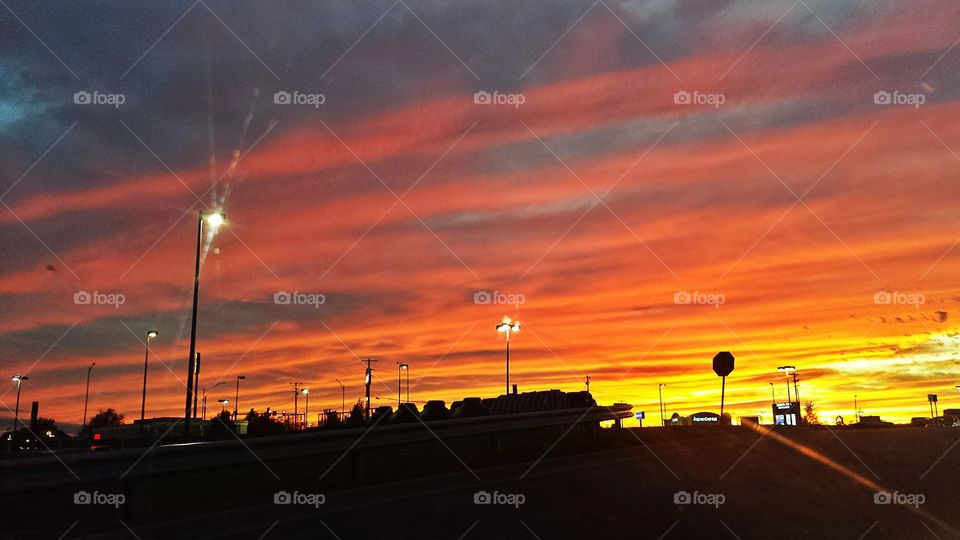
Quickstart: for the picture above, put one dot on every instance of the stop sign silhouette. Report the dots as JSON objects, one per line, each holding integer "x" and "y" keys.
{"x": 723, "y": 363}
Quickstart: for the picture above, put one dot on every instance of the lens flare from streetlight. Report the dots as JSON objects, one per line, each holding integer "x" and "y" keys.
{"x": 508, "y": 325}
{"x": 215, "y": 219}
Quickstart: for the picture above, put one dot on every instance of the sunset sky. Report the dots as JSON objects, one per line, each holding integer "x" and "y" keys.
{"x": 806, "y": 195}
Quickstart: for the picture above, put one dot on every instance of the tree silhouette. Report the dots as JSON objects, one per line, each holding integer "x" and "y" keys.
{"x": 356, "y": 414}
{"x": 107, "y": 418}
{"x": 810, "y": 414}
{"x": 262, "y": 424}
{"x": 221, "y": 426}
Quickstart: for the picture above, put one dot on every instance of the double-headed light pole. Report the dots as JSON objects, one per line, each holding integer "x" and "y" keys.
{"x": 788, "y": 370}
{"x": 214, "y": 220}
{"x": 507, "y": 327}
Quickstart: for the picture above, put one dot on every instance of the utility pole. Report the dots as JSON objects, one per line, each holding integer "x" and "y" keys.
{"x": 368, "y": 379}
{"x": 856, "y": 410}
{"x": 196, "y": 384}
{"x": 588, "y": 384}
{"x": 796, "y": 391}
{"x": 296, "y": 395}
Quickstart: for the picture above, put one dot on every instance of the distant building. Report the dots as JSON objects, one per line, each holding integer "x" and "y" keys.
{"x": 873, "y": 421}
{"x": 703, "y": 418}
{"x": 786, "y": 414}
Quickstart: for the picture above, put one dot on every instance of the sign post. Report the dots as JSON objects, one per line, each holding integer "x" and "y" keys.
{"x": 723, "y": 366}
{"x": 932, "y": 398}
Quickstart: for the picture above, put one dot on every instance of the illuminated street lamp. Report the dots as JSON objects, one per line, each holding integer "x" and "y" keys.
{"x": 214, "y": 220}
{"x": 306, "y": 407}
{"x": 223, "y": 405}
{"x": 662, "y": 420}
{"x": 16, "y": 415}
{"x": 508, "y": 327}
{"x": 146, "y": 356}
{"x": 787, "y": 370}
{"x": 401, "y": 367}
{"x": 236, "y": 401}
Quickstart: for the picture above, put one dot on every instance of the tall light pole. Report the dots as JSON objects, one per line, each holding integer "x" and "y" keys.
{"x": 236, "y": 401}
{"x": 507, "y": 327}
{"x": 86, "y": 397}
{"x": 400, "y": 367}
{"x": 343, "y": 398}
{"x": 787, "y": 370}
{"x": 663, "y": 421}
{"x": 205, "y": 398}
{"x": 16, "y": 415}
{"x": 856, "y": 409}
{"x": 146, "y": 356}
{"x": 773, "y": 395}
{"x": 306, "y": 407}
{"x": 214, "y": 220}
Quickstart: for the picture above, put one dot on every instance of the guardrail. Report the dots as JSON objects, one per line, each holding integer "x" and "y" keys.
{"x": 49, "y": 471}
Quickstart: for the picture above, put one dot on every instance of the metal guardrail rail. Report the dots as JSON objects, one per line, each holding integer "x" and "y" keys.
{"x": 49, "y": 471}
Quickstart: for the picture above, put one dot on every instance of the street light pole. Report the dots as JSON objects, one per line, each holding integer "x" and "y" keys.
{"x": 773, "y": 395}
{"x": 16, "y": 415}
{"x": 143, "y": 399}
{"x": 86, "y": 397}
{"x": 399, "y": 364}
{"x": 343, "y": 398}
{"x": 205, "y": 398}
{"x": 214, "y": 219}
{"x": 236, "y": 401}
{"x": 508, "y": 326}
{"x": 400, "y": 368}
{"x": 306, "y": 408}
{"x": 663, "y": 422}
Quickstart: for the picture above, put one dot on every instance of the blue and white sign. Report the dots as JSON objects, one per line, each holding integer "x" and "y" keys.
{"x": 640, "y": 415}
